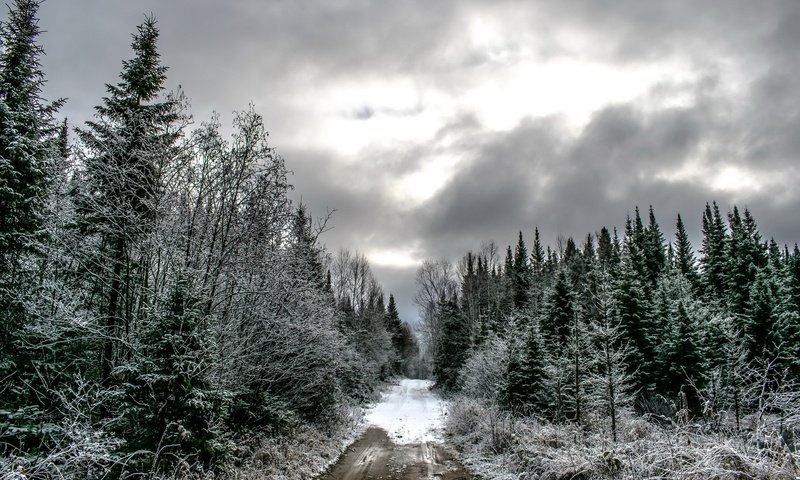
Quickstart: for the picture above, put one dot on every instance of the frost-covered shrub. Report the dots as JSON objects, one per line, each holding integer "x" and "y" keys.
{"x": 483, "y": 372}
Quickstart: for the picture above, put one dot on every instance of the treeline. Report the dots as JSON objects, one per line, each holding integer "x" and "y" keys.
{"x": 606, "y": 325}
{"x": 161, "y": 298}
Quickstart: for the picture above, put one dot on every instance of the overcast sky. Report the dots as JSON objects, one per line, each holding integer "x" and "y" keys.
{"x": 431, "y": 126}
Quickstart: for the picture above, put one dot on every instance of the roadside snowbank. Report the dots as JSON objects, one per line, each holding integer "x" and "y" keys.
{"x": 409, "y": 412}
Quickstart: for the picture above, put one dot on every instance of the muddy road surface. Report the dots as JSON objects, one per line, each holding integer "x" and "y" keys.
{"x": 403, "y": 440}
{"x": 375, "y": 456}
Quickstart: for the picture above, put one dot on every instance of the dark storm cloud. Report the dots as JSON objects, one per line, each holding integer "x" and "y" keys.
{"x": 743, "y": 59}
{"x": 533, "y": 175}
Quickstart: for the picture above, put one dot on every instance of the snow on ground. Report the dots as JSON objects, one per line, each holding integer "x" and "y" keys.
{"x": 409, "y": 412}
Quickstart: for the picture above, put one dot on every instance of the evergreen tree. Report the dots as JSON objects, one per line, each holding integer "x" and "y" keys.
{"x": 580, "y": 365}
{"x": 612, "y": 380}
{"x": 398, "y": 334}
{"x": 171, "y": 408}
{"x": 634, "y": 322}
{"x": 538, "y": 278}
{"x": 526, "y": 377}
{"x": 558, "y": 312}
{"x": 744, "y": 256}
{"x": 28, "y": 151}
{"x": 521, "y": 275}
{"x": 713, "y": 260}
{"x": 765, "y": 307}
{"x": 453, "y": 347}
{"x": 28, "y": 134}
{"x": 132, "y": 138}
{"x": 305, "y": 249}
{"x": 653, "y": 248}
{"x": 684, "y": 256}
{"x": 683, "y": 363}
{"x": 605, "y": 248}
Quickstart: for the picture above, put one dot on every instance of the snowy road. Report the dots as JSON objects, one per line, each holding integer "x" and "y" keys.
{"x": 403, "y": 440}
{"x": 409, "y": 413}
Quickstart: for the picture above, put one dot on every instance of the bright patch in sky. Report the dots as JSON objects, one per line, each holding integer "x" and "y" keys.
{"x": 736, "y": 179}
{"x": 419, "y": 186}
{"x": 393, "y": 258}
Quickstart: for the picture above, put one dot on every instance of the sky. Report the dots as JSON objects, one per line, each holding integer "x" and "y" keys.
{"x": 433, "y": 126}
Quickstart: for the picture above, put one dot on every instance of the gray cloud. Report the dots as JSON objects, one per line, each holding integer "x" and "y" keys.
{"x": 743, "y": 107}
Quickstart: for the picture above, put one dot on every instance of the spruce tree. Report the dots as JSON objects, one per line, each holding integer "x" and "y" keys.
{"x": 28, "y": 160}
{"x": 526, "y": 377}
{"x": 558, "y": 312}
{"x": 171, "y": 408}
{"x": 605, "y": 247}
{"x": 713, "y": 260}
{"x": 632, "y": 311}
{"x": 683, "y": 363}
{"x": 653, "y": 248}
{"x": 28, "y": 133}
{"x": 454, "y": 344}
{"x": 521, "y": 275}
{"x": 133, "y": 135}
{"x": 684, "y": 256}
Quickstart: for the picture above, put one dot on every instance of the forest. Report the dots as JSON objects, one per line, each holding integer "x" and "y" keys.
{"x": 165, "y": 310}
{"x": 667, "y": 365}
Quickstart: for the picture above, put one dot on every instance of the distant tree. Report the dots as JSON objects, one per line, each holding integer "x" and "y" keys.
{"x": 521, "y": 278}
{"x": 613, "y": 380}
{"x": 454, "y": 344}
{"x": 605, "y": 248}
{"x": 558, "y": 313}
{"x": 398, "y": 335}
{"x": 526, "y": 379}
{"x": 653, "y": 248}
{"x": 632, "y": 309}
{"x": 684, "y": 256}
{"x": 713, "y": 260}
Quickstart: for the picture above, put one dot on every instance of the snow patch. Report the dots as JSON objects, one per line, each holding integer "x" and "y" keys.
{"x": 409, "y": 412}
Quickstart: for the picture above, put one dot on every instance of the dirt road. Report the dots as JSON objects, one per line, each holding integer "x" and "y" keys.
{"x": 402, "y": 442}
{"x": 375, "y": 456}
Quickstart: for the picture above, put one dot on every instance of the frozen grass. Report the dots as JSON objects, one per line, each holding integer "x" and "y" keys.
{"x": 496, "y": 446}
{"x": 302, "y": 453}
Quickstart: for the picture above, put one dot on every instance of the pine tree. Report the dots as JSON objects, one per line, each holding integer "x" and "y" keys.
{"x": 744, "y": 256}
{"x": 171, "y": 408}
{"x": 683, "y": 363}
{"x": 538, "y": 277}
{"x": 395, "y": 329}
{"x": 28, "y": 160}
{"x": 612, "y": 380}
{"x": 558, "y": 312}
{"x": 764, "y": 309}
{"x": 526, "y": 378}
{"x": 28, "y": 133}
{"x": 632, "y": 310}
{"x": 653, "y": 248}
{"x": 521, "y": 275}
{"x": 304, "y": 247}
{"x": 454, "y": 344}
{"x": 580, "y": 365}
{"x": 713, "y": 260}
{"x": 605, "y": 248}
{"x": 684, "y": 256}
{"x": 132, "y": 137}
